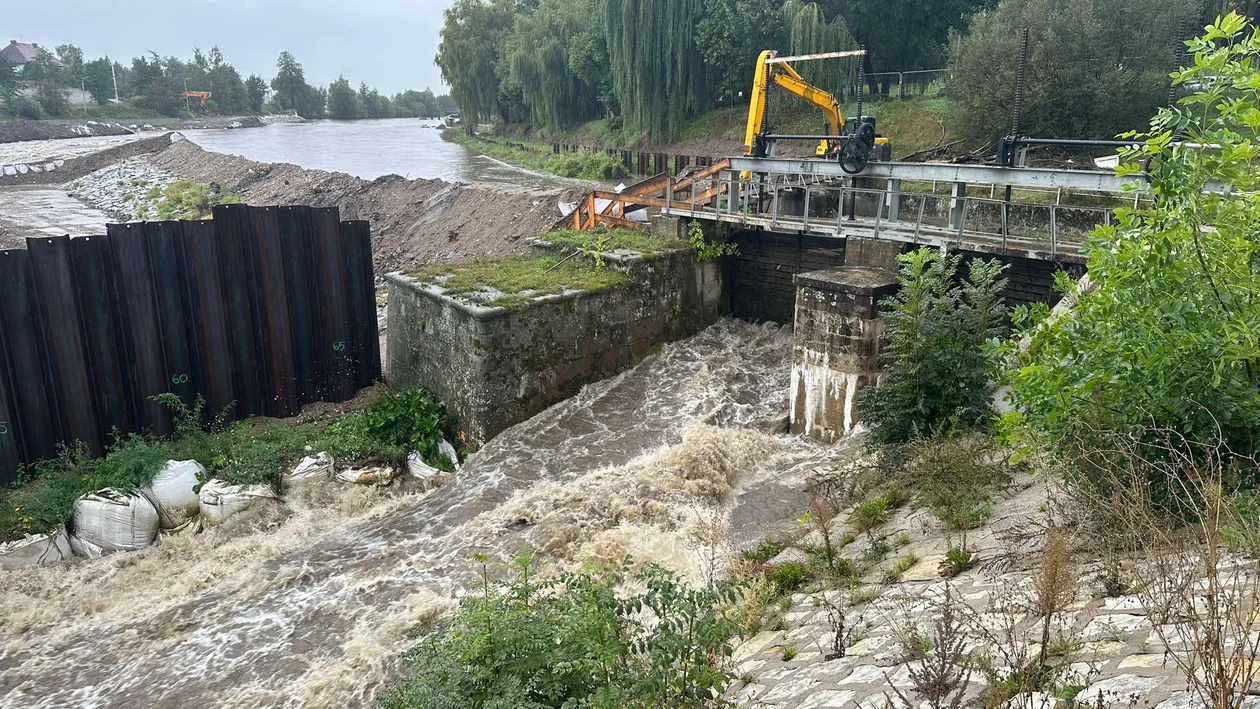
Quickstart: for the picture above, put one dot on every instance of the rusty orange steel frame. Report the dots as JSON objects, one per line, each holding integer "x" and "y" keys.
{"x": 655, "y": 191}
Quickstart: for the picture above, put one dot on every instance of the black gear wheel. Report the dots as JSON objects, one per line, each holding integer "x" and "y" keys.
{"x": 854, "y": 156}
{"x": 866, "y": 133}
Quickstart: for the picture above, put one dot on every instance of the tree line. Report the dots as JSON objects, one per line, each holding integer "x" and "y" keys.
{"x": 155, "y": 83}
{"x": 651, "y": 64}
{"x": 1097, "y": 67}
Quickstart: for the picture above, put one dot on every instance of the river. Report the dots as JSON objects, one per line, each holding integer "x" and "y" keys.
{"x": 312, "y": 607}
{"x": 369, "y": 149}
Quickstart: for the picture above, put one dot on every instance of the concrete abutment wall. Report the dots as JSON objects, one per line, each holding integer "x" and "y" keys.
{"x": 495, "y": 367}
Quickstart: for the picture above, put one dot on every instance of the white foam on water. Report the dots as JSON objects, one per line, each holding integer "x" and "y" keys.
{"x": 311, "y": 604}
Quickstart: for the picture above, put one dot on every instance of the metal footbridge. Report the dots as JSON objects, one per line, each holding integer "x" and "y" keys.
{"x": 1048, "y": 216}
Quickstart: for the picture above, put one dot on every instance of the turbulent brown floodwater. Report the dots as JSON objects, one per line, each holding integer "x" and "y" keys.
{"x": 309, "y": 604}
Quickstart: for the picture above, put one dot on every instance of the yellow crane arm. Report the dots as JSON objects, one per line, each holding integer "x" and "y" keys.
{"x": 783, "y": 75}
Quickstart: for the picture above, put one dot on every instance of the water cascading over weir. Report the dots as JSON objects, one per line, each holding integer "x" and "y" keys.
{"x": 816, "y": 247}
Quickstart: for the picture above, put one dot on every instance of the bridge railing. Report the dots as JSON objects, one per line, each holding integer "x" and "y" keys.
{"x": 876, "y": 208}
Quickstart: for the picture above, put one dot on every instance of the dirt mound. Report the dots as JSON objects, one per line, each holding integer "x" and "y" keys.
{"x": 414, "y": 222}
{"x": 17, "y": 131}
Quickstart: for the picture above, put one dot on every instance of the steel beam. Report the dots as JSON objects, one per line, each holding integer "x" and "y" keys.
{"x": 943, "y": 172}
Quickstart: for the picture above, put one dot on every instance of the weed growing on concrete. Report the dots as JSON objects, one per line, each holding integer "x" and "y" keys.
{"x": 643, "y": 241}
{"x": 940, "y": 679}
{"x": 1054, "y": 584}
{"x": 900, "y": 565}
{"x": 185, "y": 199}
{"x": 705, "y": 249}
{"x": 956, "y": 561}
{"x": 870, "y": 515}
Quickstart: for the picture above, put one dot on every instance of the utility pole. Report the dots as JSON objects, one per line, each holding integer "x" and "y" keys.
{"x": 115, "y": 75}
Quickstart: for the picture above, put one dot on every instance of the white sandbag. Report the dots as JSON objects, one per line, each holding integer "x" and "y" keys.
{"x": 311, "y": 468}
{"x": 173, "y": 492}
{"x": 85, "y": 549}
{"x": 368, "y": 476}
{"x": 445, "y": 448}
{"x": 187, "y": 529}
{"x": 42, "y": 549}
{"x": 115, "y": 521}
{"x": 429, "y": 476}
{"x": 220, "y": 500}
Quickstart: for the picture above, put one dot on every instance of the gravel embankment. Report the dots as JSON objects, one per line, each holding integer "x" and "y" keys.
{"x": 120, "y": 188}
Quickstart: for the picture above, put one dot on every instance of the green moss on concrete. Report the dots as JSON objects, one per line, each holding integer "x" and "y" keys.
{"x": 514, "y": 282}
{"x": 644, "y": 242}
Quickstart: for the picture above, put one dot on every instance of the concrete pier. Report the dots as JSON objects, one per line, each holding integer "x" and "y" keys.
{"x": 838, "y": 337}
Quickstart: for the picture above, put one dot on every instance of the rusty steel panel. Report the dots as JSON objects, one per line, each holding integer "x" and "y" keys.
{"x": 30, "y": 379}
{"x": 166, "y": 263}
{"x": 55, "y": 289}
{"x": 209, "y": 333}
{"x": 102, "y": 325}
{"x": 371, "y": 365}
{"x": 297, "y": 239}
{"x": 142, "y": 330}
{"x": 11, "y": 454}
{"x": 233, "y": 230}
{"x": 275, "y": 331}
{"x": 364, "y": 336}
{"x": 336, "y": 367}
{"x": 265, "y": 307}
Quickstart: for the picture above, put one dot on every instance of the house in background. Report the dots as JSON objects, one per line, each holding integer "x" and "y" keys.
{"x": 19, "y": 54}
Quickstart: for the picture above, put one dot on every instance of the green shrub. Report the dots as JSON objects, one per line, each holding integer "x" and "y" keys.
{"x": 595, "y": 165}
{"x": 955, "y": 477}
{"x": 705, "y": 249}
{"x": 27, "y": 108}
{"x": 938, "y": 370}
{"x": 957, "y": 560}
{"x": 1167, "y": 340}
{"x": 572, "y": 641}
{"x": 765, "y": 551}
{"x": 184, "y": 199}
{"x": 249, "y": 452}
{"x": 788, "y": 577}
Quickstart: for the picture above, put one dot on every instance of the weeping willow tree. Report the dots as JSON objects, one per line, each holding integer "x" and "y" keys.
{"x": 659, "y": 75}
{"x": 469, "y": 53}
{"x": 537, "y": 55}
{"x": 809, "y": 32}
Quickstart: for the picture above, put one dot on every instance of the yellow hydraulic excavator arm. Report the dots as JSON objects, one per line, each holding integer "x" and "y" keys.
{"x": 770, "y": 68}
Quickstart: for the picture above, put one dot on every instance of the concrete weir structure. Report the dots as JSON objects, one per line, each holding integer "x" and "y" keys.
{"x": 495, "y": 366}
{"x": 838, "y": 333}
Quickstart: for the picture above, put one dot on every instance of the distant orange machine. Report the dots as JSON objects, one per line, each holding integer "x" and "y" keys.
{"x": 203, "y": 95}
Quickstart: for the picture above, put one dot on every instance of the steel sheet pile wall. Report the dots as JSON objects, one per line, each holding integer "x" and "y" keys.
{"x": 263, "y": 309}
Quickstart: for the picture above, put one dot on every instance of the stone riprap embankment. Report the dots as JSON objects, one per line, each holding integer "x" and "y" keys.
{"x": 19, "y": 131}
{"x": 1110, "y": 647}
{"x": 119, "y": 189}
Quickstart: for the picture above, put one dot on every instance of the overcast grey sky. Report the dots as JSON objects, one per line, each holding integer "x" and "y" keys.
{"x": 390, "y": 44}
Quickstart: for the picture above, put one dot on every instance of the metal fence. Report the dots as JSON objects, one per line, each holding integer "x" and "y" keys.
{"x": 259, "y": 311}
{"x": 641, "y": 164}
{"x": 1044, "y": 228}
